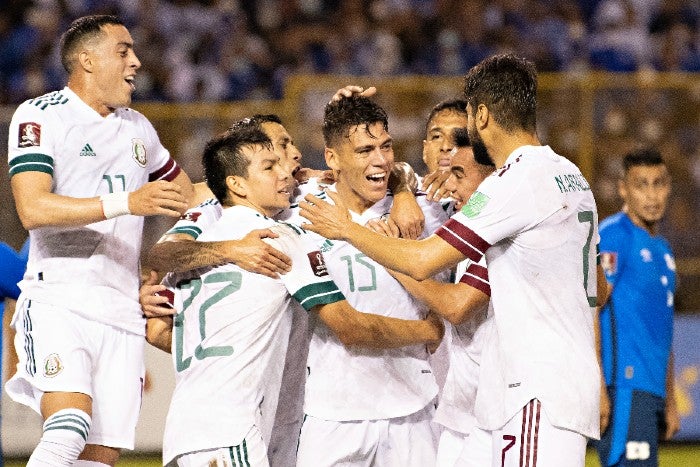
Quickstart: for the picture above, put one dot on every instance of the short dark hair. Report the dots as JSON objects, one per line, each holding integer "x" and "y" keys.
{"x": 339, "y": 116}
{"x": 266, "y": 118}
{"x": 81, "y": 30}
{"x": 223, "y": 156}
{"x": 642, "y": 157}
{"x": 451, "y": 105}
{"x": 507, "y": 85}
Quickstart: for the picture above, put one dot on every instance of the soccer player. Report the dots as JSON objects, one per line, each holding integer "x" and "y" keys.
{"x": 229, "y": 335}
{"x": 363, "y": 406}
{"x": 636, "y": 323}
{"x": 84, "y": 170}
{"x": 535, "y": 222}
{"x": 464, "y": 304}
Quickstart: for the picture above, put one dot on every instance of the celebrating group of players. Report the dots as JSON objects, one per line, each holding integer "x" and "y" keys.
{"x": 314, "y": 319}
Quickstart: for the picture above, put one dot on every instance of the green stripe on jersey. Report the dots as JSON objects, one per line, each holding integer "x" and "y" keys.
{"x": 32, "y": 163}
{"x": 190, "y": 230}
{"x": 320, "y": 293}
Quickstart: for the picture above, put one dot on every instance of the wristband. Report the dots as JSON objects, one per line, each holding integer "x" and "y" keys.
{"x": 115, "y": 204}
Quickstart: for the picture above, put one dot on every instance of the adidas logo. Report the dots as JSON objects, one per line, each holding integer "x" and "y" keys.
{"x": 87, "y": 151}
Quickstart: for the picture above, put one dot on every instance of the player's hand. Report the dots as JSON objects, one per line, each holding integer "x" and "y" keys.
{"x": 324, "y": 177}
{"x": 152, "y": 304}
{"x": 158, "y": 198}
{"x": 434, "y": 185}
{"x": 385, "y": 226}
{"x": 672, "y": 417}
{"x": 604, "y": 408}
{"x": 254, "y": 255}
{"x": 351, "y": 89}
{"x": 328, "y": 220}
{"x": 438, "y": 324}
{"x": 408, "y": 215}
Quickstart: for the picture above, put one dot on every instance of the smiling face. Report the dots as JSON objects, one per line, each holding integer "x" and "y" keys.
{"x": 266, "y": 187}
{"x": 363, "y": 162}
{"x": 465, "y": 177}
{"x": 438, "y": 142}
{"x": 283, "y": 145}
{"x": 111, "y": 65}
{"x": 645, "y": 190}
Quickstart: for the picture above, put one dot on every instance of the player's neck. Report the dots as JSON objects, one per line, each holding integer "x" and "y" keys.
{"x": 503, "y": 145}
{"x": 351, "y": 199}
{"x": 652, "y": 227}
{"x": 83, "y": 91}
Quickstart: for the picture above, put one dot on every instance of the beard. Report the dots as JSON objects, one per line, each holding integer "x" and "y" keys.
{"x": 481, "y": 154}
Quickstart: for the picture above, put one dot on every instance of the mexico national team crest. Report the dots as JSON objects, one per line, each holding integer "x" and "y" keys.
{"x": 52, "y": 365}
{"x": 138, "y": 151}
{"x": 29, "y": 135}
{"x": 318, "y": 266}
{"x": 477, "y": 202}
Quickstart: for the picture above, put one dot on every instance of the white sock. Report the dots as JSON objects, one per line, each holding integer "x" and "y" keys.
{"x": 64, "y": 438}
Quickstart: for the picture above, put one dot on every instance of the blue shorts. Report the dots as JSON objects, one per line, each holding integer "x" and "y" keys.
{"x": 636, "y": 423}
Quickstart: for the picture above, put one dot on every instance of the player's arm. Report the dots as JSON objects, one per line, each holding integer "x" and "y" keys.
{"x": 37, "y": 206}
{"x": 453, "y": 302}
{"x": 420, "y": 259}
{"x": 159, "y": 332}
{"x": 671, "y": 415}
{"x": 604, "y": 287}
{"x": 355, "y": 328}
{"x": 8, "y": 335}
{"x": 405, "y": 211}
{"x": 180, "y": 252}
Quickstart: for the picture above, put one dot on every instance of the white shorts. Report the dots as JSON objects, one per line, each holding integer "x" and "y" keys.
{"x": 453, "y": 450}
{"x": 527, "y": 439}
{"x": 60, "y": 351}
{"x": 400, "y": 442}
{"x": 252, "y": 452}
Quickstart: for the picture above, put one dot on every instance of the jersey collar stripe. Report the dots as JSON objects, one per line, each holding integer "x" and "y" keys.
{"x": 476, "y": 282}
{"x": 168, "y": 172}
{"x": 463, "y": 239}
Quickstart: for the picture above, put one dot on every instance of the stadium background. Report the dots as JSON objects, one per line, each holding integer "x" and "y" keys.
{"x": 615, "y": 74}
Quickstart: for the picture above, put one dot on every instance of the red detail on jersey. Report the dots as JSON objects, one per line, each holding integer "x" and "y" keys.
{"x": 477, "y": 276}
{"x": 168, "y": 172}
{"x": 167, "y": 293}
{"x": 318, "y": 266}
{"x": 190, "y": 216}
{"x": 608, "y": 261}
{"x": 29, "y": 135}
{"x": 463, "y": 239}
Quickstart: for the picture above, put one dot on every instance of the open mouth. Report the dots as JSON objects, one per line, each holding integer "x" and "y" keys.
{"x": 377, "y": 178}
{"x": 130, "y": 81}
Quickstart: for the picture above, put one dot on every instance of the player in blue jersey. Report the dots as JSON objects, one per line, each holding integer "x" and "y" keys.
{"x": 636, "y": 323}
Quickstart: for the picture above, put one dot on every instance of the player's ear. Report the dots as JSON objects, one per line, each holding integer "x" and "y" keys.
{"x": 237, "y": 186}
{"x": 86, "y": 60}
{"x": 482, "y": 116}
{"x": 331, "y": 156}
{"x": 622, "y": 189}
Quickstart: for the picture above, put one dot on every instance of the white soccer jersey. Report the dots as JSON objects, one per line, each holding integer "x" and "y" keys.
{"x": 230, "y": 335}
{"x": 535, "y": 220}
{"x": 456, "y": 405}
{"x": 366, "y": 384}
{"x": 93, "y": 269}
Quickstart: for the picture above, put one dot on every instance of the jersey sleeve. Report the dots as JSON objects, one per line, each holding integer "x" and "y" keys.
{"x": 612, "y": 251}
{"x": 308, "y": 282}
{"x": 160, "y": 165}
{"x": 477, "y": 276}
{"x": 32, "y": 139}
{"x": 195, "y": 220}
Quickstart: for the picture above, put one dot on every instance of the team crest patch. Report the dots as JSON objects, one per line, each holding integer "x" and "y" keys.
{"x": 318, "y": 266}
{"x": 29, "y": 135}
{"x": 190, "y": 216}
{"x": 138, "y": 151}
{"x": 608, "y": 261}
{"x": 477, "y": 202}
{"x": 52, "y": 365}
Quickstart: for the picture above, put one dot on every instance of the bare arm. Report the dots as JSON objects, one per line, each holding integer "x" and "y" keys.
{"x": 604, "y": 398}
{"x": 405, "y": 211}
{"x": 180, "y": 252}
{"x": 37, "y": 206}
{"x": 420, "y": 259}
{"x": 672, "y": 417}
{"x": 159, "y": 332}
{"x": 8, "y": 335}
{"x": 378, "y": 332}
{"x": 453, "y": 302}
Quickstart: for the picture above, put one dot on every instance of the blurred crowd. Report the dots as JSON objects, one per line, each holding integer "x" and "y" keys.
{"x": 209, "y": 50}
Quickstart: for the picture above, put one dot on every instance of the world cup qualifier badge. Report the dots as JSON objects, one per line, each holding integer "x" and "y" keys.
{"x": 138, "y": 151}
{"x": 52, "y": 365}
{"x": 318, "y": 266}
{"x": 29, "y": 135}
